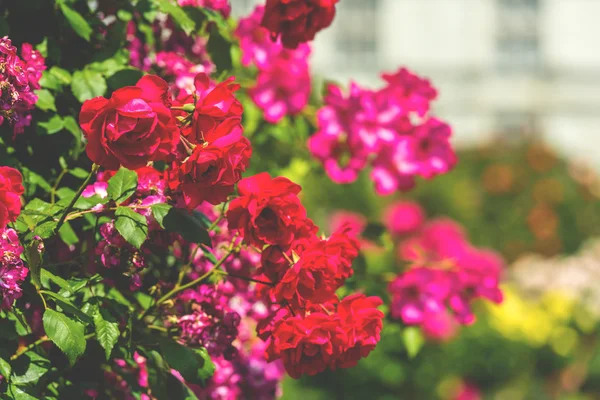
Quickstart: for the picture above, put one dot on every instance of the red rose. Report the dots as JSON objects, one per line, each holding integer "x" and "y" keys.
{"x": 11, "y": 189}
{"x": 306, "y": 345}
{"x": 362, "y": 322}
{"x": 311, "y": 279}
{"x": 267, "y": 211}
{"x": 297, "y": 21}
{"x": 213, "y": 169}
{"x": 214, "y": 104}
{"x": 343, "y": 248}
{"x": 131, "y": 128}
{"x": 273, "y": 263}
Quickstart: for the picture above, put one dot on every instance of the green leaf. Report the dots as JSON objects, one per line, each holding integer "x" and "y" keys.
{"x": 16, "y": 393}
{"x": 62, "y": 75}
{"x": 28, "y": 368}
{"x": 67, "y": 306}
{"x": 53, "y": 125}
{"x": 77, "y": 22}
{"x": 413, "y": 340}
{"x": 34, "y": 260}
{"x": 194, "y": 365}
{"x": 122, "y": 185}
{"x": 158, "y": 373}
{"x": 45, "y": 100}
{"x": 79, "y": 173}
{"x": 36, "y": 179}
{"x": 5, "y": 368}
{"x": 179, "y": 16}
{"x": 159, "y": 211}
{"x": 86, "y": 203}
{"x": 68, "y": 235}
{"x": 219, "y": 49}
{"x": 131, "y": 225}
{"x": 66, "y": 333}
{"x": 21, "y": 325}
{"x": 189, "y": 225}
{"x": 88, "y": 84}
{"x": 124, "y": 77}
{"x": 46, "y": 276}
{"x": 107, "y": 330}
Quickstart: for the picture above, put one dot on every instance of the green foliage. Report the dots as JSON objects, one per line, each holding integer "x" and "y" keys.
{"x": 67, "y": 333}
{"x": 122, "y": 185}
{"x": 131, "y": 225}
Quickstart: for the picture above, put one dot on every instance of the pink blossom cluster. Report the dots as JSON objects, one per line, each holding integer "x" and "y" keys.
{"x": 177, "y": 56}
{"x": 447, "y": 273}
{"x": 283, "y": 82}
{"x": 390, "y": 129}
{"x": 12, "y": 270}
{"x": 19, "y": 77}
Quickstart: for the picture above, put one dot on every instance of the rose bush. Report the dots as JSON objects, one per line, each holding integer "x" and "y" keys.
{"x": 174, "y": 260}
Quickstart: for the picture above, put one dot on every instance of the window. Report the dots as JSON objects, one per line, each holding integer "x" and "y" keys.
{"x": 516, "y": 124}
{"x": 242, "y": 8}
{"x": 517, "y": 38}
{"x": 355, "y": 29}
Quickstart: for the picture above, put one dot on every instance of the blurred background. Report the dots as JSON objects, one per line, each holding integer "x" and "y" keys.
{"x": 519, "y": 81}
{"x": 503, "y": 67}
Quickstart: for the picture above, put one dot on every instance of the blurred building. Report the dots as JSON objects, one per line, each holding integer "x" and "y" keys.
{"x": 503, "y": 67}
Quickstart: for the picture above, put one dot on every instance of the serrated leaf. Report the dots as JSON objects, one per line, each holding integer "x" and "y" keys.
{"x": 107, "y": 330}
{"x": 62, "y": 75}
{"x": 191, "y": 227}
{"x": 46, "y": 276}
{"x": 86, "y": 203}
{"x": 28, "y": 368}
{"x": 131, "y": 225}
{"x": 158, "y": 373}
{"x": 413, "y": 340}
{"x": 67, "y": 306}
{"x": 159, "y": 211}
{"x": 77, "y": 22}
{"x": 21, "y": 326}
{"x": 88, "y": 84}
{"x": 34, "y": 260}
{"x": 45, "y": 100}
{"x": 67, "y": 333}
{"x": 124, "y": 77}
{"x": 122, "y": 185}
{"x": 179, "y": 16}
{"x": 37, "y": 179}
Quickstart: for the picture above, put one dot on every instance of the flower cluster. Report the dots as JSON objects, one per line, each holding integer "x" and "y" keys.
{"x": 11, "y": 189}
{"x": 447, "y": 272}
{"x": 12, "y": 270}
{"x": 297, "y": 21}
{"x": 389, "y": 127}
{"x": 283, "y": 82}
{"x": 311, "y": 329}
{"x": 19, "y": 77}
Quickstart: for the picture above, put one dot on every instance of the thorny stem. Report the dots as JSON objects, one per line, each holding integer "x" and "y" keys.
{"x": 80, "y": 213}
{"x": 61, "y": 221}
{"x": 245, "y": 278}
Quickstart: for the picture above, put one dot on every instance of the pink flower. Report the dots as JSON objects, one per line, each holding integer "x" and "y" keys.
{"x": 419, "y": 293}
{"x": 427, "y": 151}
{"x": 413, "y": 93}
{"x": 403, "y": 217}
{"x": 342, "y": 161}
{"x": 385, "y": 175}
{"x": 12, "y": 270}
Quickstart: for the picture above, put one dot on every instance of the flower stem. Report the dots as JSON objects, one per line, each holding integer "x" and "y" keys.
{"x": 61, "y": 221}
{"x": 245, "y": 278}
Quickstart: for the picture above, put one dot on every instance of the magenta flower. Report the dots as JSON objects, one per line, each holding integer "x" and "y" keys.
{"x": 12, "y": 270}
{"x": 411, "y": 92}
{"x": 419, "y": 293}
{"x": 403, "y": 217}
{"x": 426, "y": 151}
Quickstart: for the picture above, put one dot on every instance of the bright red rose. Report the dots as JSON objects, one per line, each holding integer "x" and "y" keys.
{"x": 131, "y": 128}
{"x": 214, "y": 105}
{"x": 267, "y": 211}
{"x": 362, "y": 322}
{"x": 214, "y": 168}
{"x": 297, "y": 21}
{"x": 11, "y": 189}
{"x": 273, "y": 263}
{"x": 306, "y": 345}
{"x": 322, "y": 268}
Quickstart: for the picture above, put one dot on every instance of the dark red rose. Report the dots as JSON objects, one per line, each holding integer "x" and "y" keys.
{"x": 11, "y": 189}
{"x": 131, "y": 128}
{"x": 214, "y": 168}
{"x": 267, "y": 211}
{"x": 297, "y": 21}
